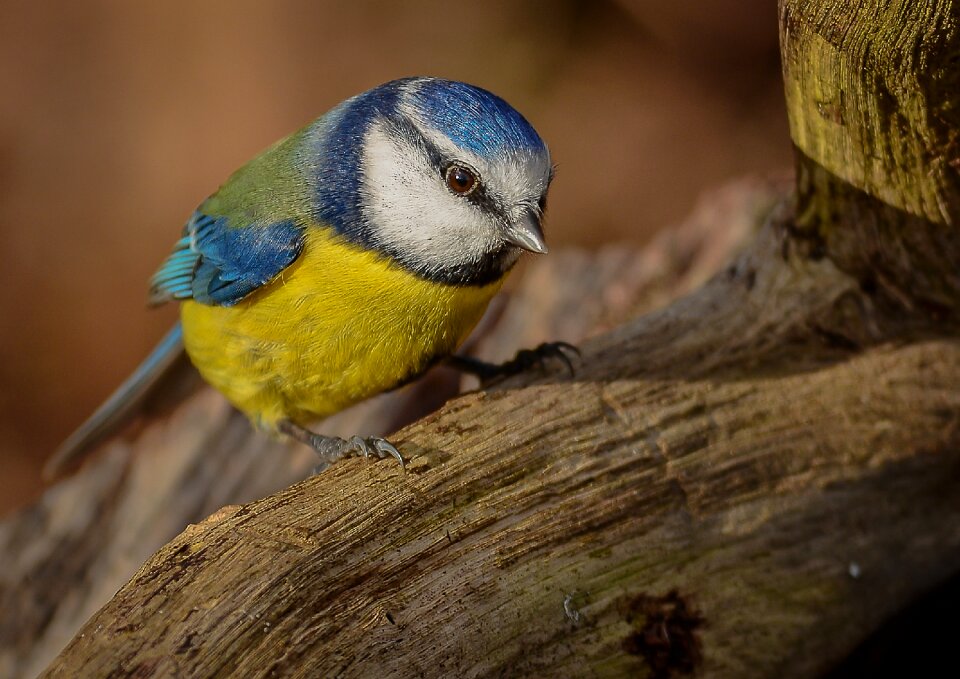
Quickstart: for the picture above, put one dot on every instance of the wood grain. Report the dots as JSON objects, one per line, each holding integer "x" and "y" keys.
{"x": 63, "y": 558}
{"x": 715, "y": 464}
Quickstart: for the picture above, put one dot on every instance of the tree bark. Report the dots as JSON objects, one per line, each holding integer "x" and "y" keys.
{"x": 62, "y": 559}
{"x": 745, "y": 483}
{"x": 871, "y": 89}
{"x": 733, "y": 492}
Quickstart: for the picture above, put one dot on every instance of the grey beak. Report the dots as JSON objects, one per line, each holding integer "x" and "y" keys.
{"x": 527, "y": 234}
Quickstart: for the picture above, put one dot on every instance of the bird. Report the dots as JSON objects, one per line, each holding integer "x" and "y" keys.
{"x": 347, "y": 259}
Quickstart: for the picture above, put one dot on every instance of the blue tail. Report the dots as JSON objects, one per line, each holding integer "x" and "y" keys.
{"x": 122, "y": 404}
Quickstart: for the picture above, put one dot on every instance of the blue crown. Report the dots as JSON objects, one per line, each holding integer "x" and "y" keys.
{"x": 472, "y": 118}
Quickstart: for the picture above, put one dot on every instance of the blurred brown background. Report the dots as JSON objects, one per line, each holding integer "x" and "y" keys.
{"x": 117, "y": 118}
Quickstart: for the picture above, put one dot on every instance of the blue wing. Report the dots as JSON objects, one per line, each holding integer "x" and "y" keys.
{"x": 219, "y": 264}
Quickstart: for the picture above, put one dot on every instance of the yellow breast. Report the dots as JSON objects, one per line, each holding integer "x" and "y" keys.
{"x": 337, "y": 326}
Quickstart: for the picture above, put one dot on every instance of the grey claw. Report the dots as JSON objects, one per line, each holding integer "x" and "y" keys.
{"x": 568, "y": 347}
{"x": 557, "y": 350}
{"x": 360, "y": 445}
{"x": 377, "y": 446}
{"x": 563, "y": 358}
{"x": 385, "y": 448}
{"x": 332, "y": 448}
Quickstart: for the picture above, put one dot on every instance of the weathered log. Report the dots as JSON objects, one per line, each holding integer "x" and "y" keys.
{"x": 723, "y": 485}
{"x": 63, "y": 558}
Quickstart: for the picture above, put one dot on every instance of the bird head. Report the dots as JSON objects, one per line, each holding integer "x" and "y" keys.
{"x": 445, "y": 178}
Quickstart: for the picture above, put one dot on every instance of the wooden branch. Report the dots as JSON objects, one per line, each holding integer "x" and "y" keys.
{"x": 725, "y": 486}
{"x": 61, "y": 560}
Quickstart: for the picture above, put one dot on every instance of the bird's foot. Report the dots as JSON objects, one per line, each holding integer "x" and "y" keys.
{"x": 333, "y": 448}
{"x": 523, "y": 361}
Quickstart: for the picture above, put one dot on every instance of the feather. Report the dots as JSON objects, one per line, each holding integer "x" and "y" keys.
{"x": 219, "y": 264}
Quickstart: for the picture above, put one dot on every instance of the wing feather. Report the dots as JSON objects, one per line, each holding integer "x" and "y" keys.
{"x": 218, "y": 263}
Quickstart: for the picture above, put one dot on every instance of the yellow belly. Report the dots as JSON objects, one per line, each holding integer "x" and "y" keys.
{"x": 337, "y": 326}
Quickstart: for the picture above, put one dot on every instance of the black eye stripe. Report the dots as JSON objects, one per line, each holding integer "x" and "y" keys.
{"x": 483, "y": 200}
{"x": 440, "y": 162}
{"x": 407, "y": 130}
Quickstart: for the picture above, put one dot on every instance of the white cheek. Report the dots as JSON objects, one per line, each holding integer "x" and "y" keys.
{"x": 414, "y": 213}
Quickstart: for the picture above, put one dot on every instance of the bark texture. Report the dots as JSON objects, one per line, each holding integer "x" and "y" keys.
{"x": 63, "y": 558}
{"x": 744, "y": 483}
{"x": 724, "y": 487}
{"x": 871, "y": 89}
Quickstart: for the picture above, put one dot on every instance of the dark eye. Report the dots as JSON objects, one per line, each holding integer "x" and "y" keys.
{"x": 461, "y": 180}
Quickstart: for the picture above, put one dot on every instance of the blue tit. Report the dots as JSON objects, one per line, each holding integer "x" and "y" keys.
{"x": 348, "y": 258}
